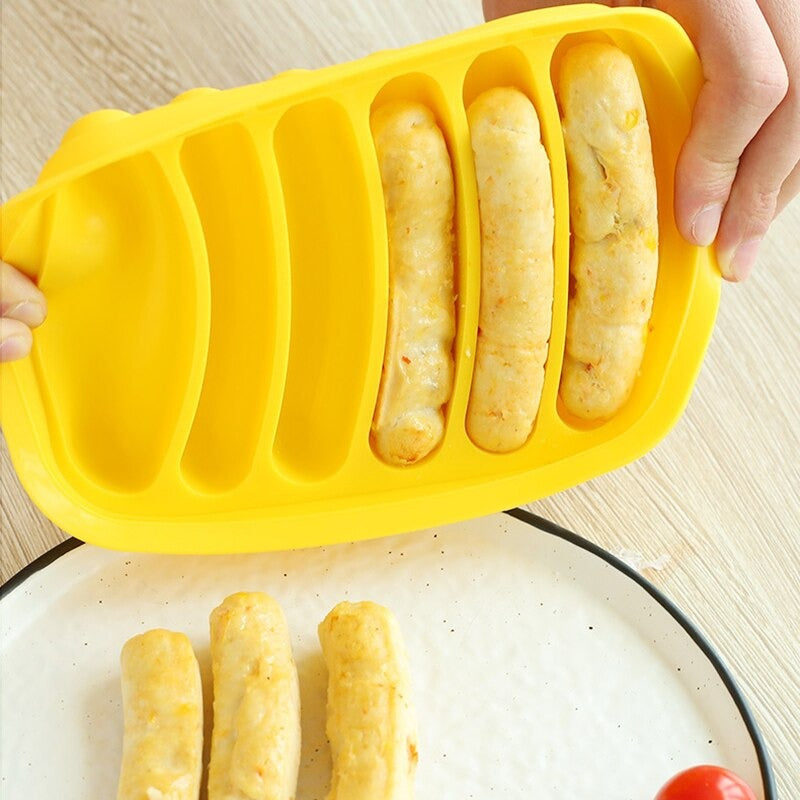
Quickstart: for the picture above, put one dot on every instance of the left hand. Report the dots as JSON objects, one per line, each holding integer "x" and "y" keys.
{"x": 22, "y": 307}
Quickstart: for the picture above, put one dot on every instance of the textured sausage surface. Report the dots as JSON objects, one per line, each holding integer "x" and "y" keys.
{"x": 419, "y": 199}
{"x": 613, "y": 214}
{"x": 370, "y": 720}
{"x": 162, "y": 704}
{"x": 255, "y": 744}
{"x": 515, "y": 198}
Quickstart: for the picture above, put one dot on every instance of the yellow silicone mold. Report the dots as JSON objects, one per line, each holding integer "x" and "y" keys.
{"x": 217, "y": 277}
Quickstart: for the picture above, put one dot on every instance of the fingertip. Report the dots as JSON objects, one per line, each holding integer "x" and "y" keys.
{"x": 16, "y": 340}
{"x": 31, "y": 312}
{"x": 701, "y": 192}
{"x": 736, "y": 263}
{"x": 20, "y": 298}
{"x": 705, "y": 224}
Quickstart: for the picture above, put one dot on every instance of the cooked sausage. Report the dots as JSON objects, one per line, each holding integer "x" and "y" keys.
{"x": 419, "y": 199}
{"x": 613, "y": 213}
{"x": 255, "y": 744}
{"x": 162, "y": 704}
{"x": 370, "y": 721}
{"x": 516, "y": 216}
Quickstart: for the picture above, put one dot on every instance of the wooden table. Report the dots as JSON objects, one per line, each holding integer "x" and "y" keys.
{"x": 718, "y": 496}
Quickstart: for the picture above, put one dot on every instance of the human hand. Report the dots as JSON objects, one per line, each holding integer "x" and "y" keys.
{"x": 22, "y": 307}
{"x": 740, "y": 164}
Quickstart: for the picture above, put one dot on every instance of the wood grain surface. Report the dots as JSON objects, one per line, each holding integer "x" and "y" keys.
{"x": 719, "y": 496}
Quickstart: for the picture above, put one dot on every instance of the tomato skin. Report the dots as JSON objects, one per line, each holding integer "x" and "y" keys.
{"x": 706, "y": 782}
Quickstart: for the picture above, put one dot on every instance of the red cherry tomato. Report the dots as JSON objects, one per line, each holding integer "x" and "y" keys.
{"x": 706, "y": 783}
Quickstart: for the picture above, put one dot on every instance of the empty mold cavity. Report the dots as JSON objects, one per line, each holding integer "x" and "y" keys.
{"x": 331, "y": 250}
{"x": 224, "y": 176}
{"x": 119, "y": 345}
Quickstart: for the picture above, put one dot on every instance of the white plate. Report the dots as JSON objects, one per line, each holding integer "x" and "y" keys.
{"x": 543, "y": 667}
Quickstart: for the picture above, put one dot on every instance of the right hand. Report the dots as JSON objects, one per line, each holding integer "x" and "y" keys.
{"x": 740, "y": 164}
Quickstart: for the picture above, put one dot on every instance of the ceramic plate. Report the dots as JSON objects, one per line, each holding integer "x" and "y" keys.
{"x": 542, "y": 665}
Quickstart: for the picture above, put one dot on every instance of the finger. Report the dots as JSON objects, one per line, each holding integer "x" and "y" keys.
{"x": 746, "y": 80}
{"x": 768, "y": 160}
{"x": 19, "y": 298}
{"x": 784, "y": 19}
{"x": 15, "y": 339}
{"x": 789, "y": 190}
{"x": 765, "y": 166}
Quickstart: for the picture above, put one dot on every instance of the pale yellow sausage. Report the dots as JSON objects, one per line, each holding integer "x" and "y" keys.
{"x": 162, "y": 704}
{"x": 613, "y": 213}
{"x": 419, "y": 199}
{"x": 370, "y": 720}
{"x": 255, "y": 745}
{"x": 516, "y": 213}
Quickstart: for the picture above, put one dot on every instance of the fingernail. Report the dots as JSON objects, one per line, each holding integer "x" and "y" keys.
{"x": 737, "y": 264}
{"x": 29, "y": 312}
{"x": 706, "y": 224}
{"x": 14, "y": 347}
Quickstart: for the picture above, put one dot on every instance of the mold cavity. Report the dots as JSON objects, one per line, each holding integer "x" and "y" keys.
{"x": 504, "y": 67}
{"x": 330, "y": 242}
{"x": 567, "y": 43}
{"x": 224, "y": 175}
{"x": 418, "y": 88}
{"x": 668, "y": 119}
{"x": 422, "y": 89}
{"x": 118, "y": 346}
